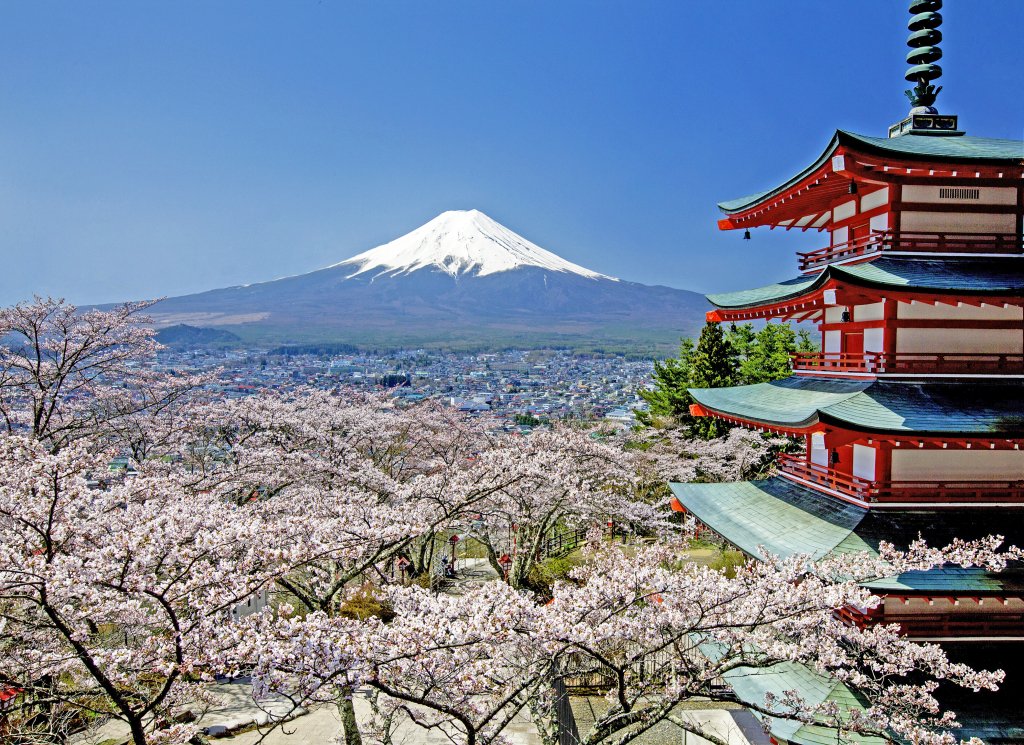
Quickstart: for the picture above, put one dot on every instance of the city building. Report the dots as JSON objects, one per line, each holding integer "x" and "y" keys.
{"x": 912, "y": 413}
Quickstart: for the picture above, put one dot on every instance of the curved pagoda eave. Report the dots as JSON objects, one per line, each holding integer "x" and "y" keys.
{"x": 802, "y": 404}
{"x": 787, "y": 519}
{"x": 815, "y": 187}
{"x": 989, "y": 277}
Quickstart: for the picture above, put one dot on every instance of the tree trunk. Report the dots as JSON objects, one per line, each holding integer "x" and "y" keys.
{"x": 138, "y": 732}
{"x": 492, "y": 555}
{"x": 543, "y": 711}
{"x": 347, "y": 712}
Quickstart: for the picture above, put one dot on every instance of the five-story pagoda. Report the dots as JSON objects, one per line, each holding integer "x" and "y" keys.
{"x": 912, "y": 413}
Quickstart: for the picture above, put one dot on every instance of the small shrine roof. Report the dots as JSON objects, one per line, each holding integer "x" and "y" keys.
{"x": 987, "y": 276}
{"x": 919, "y": 147}
{"x": 944, "y": 409}
{"x": 786, "y": 519}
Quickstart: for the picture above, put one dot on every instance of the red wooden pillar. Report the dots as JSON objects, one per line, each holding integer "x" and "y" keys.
{"x": 890, "y": 313}
{"x": 883, "y": 462}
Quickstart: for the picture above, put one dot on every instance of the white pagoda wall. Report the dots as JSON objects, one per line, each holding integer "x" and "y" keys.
{"x": 948, "y": 465}
{"x": 1004, "y": 195}
{"x": 1007, "y": 341}
{"x": 959, "y": 222}
{"x": 965, "y": 223}
{"x": 961, "y": 312}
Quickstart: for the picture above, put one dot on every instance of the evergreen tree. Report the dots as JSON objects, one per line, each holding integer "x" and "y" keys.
{"x": 769, "y": 357}
{"x": 669, "y": 399}
{"x": 714, "y": 365}
{"x": 804, "y": 343}
{"x": 742, "y": 338}
{"x": 765, "y": 355}
{"x": 722, "y": 357}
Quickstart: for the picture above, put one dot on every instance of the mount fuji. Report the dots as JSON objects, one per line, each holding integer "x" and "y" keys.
{"x": 461, "y": 280}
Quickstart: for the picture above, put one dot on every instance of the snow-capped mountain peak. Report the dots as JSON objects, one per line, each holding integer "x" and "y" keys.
{"x": 461, "y": 242}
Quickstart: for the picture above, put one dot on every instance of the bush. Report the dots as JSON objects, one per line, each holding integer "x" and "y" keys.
{"x": 729, "y": 561}
{"x": 545, "y": 573}
{"x": 364, "y": 604}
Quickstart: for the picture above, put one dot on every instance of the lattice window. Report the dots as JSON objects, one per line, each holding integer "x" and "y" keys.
{"x": 959, "y": 193}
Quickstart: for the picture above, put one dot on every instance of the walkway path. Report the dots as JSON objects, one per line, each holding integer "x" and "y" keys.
{"x": 469, "y": 573}
{"x": 322, "y": 727}
{"x": 236, "y": 708}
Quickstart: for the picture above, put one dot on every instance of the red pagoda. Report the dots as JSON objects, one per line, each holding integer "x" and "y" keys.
{"x": 912, "y": 413}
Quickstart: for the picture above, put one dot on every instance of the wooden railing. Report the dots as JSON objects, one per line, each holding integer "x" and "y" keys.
{"x": 886, "y": 490}
{"x": 928, "y": 625}
{"x": 800, "y": 468}
{"x": 897, "y": 363}
{"x": 932, "y": 625}
{"x": 888, "y": 240}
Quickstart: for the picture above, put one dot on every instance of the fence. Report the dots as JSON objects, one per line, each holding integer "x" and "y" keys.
{"x": 562, "y": 542}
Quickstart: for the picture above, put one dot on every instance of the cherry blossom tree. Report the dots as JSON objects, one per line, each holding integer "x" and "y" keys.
{"x": 672, "y": 456}
{"x": 658, "y": 631}
{"x": 462, "y": 664}
{"x": 67, "y": 374}
{"x": 567, "y": 480}
{"x": 363, "y": 481}
{"x": 111, "y": 598}
{"x": 650, "y": 628}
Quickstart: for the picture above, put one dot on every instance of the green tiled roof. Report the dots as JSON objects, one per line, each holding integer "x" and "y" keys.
{"x": 785, "y": 519}
{"x": 964, "y": 148}
{"x": 995, "y": 276}
{"x": 751, "y": 685}
{"x": 994, "y": 717}
{"x": 774, "y": 293}
{"x": 991, "y": 716}
{"x": 924, "y": 147}
{"x": 993, "y": 408}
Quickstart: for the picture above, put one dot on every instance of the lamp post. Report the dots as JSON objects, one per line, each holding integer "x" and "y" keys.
{"x": 505, "y": 561}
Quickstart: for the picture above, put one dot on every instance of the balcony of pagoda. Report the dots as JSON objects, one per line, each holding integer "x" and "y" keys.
{"x": 873, "y": 364}
{"x": 943, "y": 616}
{"x": 879, "y": 241}
{"x": 891, "y": 493}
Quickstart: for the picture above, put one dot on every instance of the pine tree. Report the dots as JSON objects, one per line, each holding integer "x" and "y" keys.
{"x": 742, "y": 338}
{"x": 765, "y": 355}
{"x": 722, "y": 357}
{"x": 714, "y": 365}
{"x": 769, "y": 357}
{"x": 669, "y": 399}
{"x": 714, "y": 361}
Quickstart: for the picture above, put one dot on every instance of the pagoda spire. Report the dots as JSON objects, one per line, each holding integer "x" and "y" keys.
{"x": 924, "y": 51}
{"x": 924, "y": 118}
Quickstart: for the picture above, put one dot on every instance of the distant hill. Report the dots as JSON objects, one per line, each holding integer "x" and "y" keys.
{"x": 461, "y": 281}
{"x": 183, "y": 335}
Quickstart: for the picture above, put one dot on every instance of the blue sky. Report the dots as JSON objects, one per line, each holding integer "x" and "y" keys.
{"x": 152, "y": 149}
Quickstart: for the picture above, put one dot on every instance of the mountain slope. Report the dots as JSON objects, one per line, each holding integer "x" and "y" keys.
{"x": 462, "y": 280}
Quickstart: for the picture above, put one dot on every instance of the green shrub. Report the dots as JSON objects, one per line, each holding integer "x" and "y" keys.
{"x": 365, "y": 604}
{"x": 729, "y": 561}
